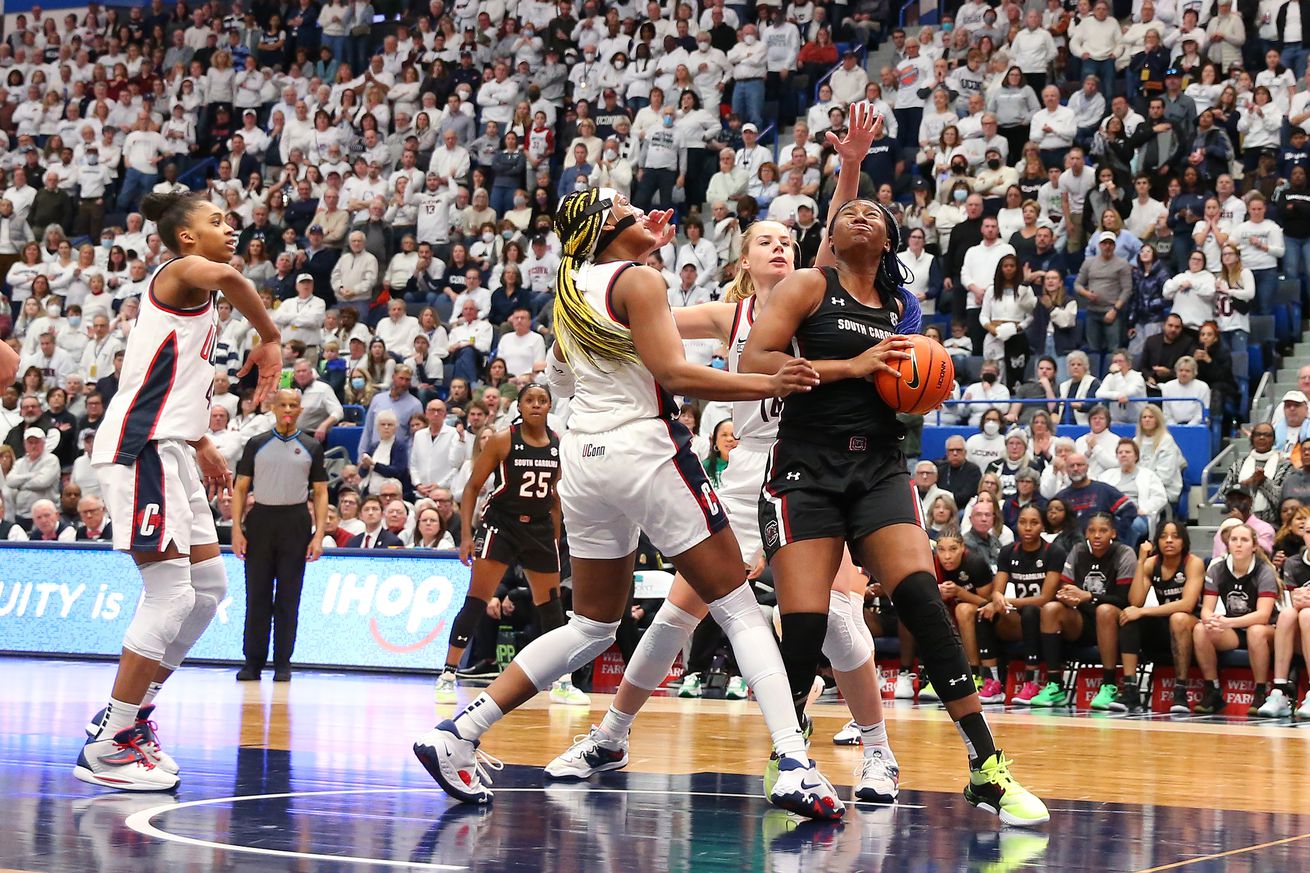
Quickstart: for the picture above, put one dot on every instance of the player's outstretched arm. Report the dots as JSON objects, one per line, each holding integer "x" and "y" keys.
{"x": 862, "y": 125}
{"x": 642, "y": 294}
{"x": 240, "y": 292}
{"x": 705, "y": 321}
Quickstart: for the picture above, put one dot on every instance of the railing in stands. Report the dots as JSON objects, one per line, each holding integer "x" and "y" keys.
{"x": 1258, "y": 397}
{"x": 929, "y": 12}
{"x": 1224, "y": 460}
{"x": 861, "y": 52}
{"x": 1089, "y": 402}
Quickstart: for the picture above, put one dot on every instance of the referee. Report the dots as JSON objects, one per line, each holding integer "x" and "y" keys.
{"x": 277, "y": 470}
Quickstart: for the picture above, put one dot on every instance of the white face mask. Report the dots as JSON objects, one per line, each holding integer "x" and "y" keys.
{"x": 749, "y": 39}
{"x": 991, "y": 428}
{"x": 487, "y": 236}
{"x": 52, "y": 311}
{"x": 610, "y": 154}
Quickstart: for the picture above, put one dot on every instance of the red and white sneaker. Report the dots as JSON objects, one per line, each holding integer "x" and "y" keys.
{"x": 150, "y": 738}
{"x": 122, "y": 762}
{"x": 992, "y": 691}
{"x": 1024, "y": 696}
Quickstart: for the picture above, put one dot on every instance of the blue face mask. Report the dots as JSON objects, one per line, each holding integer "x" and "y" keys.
{"x": 357, "y": 384}
{"x": 719, "y": 364}
{"x": 948, "y": 26}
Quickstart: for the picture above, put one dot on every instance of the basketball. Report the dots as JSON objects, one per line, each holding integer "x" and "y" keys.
{"x": 927, "y": 378}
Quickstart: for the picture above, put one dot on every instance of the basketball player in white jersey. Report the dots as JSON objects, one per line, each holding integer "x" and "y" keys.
{"x": 155, "y": 490}
{"x": 627, "y": 467}
{"x": 767, "y": 258}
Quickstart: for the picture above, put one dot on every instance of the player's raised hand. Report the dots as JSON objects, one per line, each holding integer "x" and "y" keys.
{"x": 660, "y": 223}
{"x": 268, "y": 358}
{"x": 796, "y": 375}
{"x": 862, "y": 124}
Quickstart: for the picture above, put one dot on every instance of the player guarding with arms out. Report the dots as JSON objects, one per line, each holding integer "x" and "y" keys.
{"x": 155, "y": 491}
{"x": 768, "y": 257}
{"x": 837, "y": 478}
{"x": 520, "y": 525}
{"x": 628, "y": 467}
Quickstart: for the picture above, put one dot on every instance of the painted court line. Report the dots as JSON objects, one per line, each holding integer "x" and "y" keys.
{"x": 1269, "y": 845}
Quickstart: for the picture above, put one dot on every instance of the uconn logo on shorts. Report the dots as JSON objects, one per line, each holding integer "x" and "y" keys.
{"x": 591, "y": 450}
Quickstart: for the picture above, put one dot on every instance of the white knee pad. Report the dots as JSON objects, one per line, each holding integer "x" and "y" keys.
{"x": 167, "y": 601}
{"x": 843, "y": 645}
{"x": 667, "y": 635}
{"x": 857, "y": 616}
{"x": 209, "y": 580}
{"x": 748, "y": 632}
{"x": 565, "y": 649}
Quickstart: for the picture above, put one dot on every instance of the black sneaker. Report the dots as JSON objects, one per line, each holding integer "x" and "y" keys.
{"x": 247, "y": 674}
{"x": 282, "y": 674}
{"x": 1180, "y": 706}
{"x": 1258, "y": 700}
{"x": 482, "y": 669}
{"x": 1212, "y": 701}
{"x": 1127, "y": 700}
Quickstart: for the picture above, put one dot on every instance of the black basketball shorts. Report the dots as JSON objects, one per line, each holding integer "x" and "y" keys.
{"x": 849, "y": 490}
{"x": 523, "y": 540}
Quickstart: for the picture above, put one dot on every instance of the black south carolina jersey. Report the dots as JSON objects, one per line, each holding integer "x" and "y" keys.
{"x": 1027, "y": 570}
{"x": 1168, "y": 588}
{"x": 525, "y": 479}
{"x": 1239, "y": 594}
{"x": 1109, "y": 576}
{"x": 840, "y": 329}
{"x": 972, "y": 574}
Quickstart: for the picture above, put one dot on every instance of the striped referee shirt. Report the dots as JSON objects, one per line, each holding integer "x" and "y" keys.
{"x": 281, "y": 468}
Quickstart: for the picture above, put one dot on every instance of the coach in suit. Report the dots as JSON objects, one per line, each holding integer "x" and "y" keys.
{"x": 95, "y": 526}
{"x": 375, "y": 536}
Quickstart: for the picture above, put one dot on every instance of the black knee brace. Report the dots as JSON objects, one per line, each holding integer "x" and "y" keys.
{"x": 467, "y": 621}
{"x": 550, "y": 614}
{"x": 1130, "y": 638}
{"x": 986, "y": 631}
{"x": 802, "y": 647}
{"x": 1030, "y": 618}
{"x": 919, "y": 605}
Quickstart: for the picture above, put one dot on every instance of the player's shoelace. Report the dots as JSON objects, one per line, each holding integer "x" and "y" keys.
{"x": 483, "y": 762}
{"x": 133, "y": 743}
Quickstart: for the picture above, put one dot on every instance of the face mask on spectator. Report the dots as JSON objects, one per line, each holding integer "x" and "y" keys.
{"x": 959, "y": 169}
{"x": 74, "y": 320}
{"x": 619, "y": 63}
{"x": 93, "y": 159}
{"x": 107, "y": 243}
{"x": 989, "y": 378}
{"x": 994, "y": 163}
{"x": 611, "y": 155}
{"x": 990, "y": 427}
{"x": 487, "y": 236}
{"x": 668, "y": 121}
{"x": 52, "y": 311}
{"x": 520, "y": 202}
{"x": 357, "y": 383}
{"x": 704, "y": 45}
{"x": 959, "y": 195}
{"x": 749, "y": 39}
{"x": 507, "y": 234}
{"x": 580, "y": 185}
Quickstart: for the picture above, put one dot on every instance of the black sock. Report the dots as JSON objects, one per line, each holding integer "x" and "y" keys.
{"x": 1110, "y": 675}
{"x": 977, "y": 737}
{"x": 450, "y": 668}
{"x": 975, "y": 670}
{"x": 1285, "y": 687}
{"x": 1053, "y": 653}
{"x": 1211, "y": 684}
{"x": 801, "y": 648}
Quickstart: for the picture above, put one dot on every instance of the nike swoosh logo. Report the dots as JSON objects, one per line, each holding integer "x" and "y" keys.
{"x": 914, "y": 381}
{"x": 808, "y": 785}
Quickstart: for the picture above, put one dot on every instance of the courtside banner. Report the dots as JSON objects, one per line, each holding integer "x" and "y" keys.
{"x": 388, "y": 609}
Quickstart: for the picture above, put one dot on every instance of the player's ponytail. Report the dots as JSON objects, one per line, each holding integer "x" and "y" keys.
{"x": 580, "y": 225}
{"x": 168, "y": 212}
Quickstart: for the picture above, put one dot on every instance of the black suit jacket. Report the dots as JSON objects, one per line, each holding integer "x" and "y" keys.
{"x": 385, "y": 540}
{"x": 106, "y": 533}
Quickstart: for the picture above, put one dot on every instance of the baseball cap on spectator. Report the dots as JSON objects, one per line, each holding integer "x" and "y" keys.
{"x": 304, "y": 277}
{"x": 34, "y": 433}
{"x": 1294, "y": 396}
{"x": 1106, "y": 236}
{"x": 749, "y": 126}
{"x": 315, "y": 228}
{"x": 1173, "y": 71}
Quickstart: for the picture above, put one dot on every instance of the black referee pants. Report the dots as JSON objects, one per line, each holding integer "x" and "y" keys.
{"x": 277, "y": 538}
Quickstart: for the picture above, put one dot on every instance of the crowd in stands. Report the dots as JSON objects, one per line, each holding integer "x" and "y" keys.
{"x": 1096, "y": 199}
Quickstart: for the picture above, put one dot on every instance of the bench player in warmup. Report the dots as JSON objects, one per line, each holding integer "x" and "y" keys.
{"x": 156, "y": 488}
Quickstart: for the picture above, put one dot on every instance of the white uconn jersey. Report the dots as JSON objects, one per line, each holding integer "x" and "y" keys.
{"x": 610, "y": 394}
{"x": 166, "y": 381}
{"x": 753, "y": 421}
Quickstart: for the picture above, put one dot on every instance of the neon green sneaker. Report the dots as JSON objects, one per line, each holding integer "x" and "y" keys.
{"x": 447, "y": 687}
{"x": 771, "y": 768}
{"x": 1051, "y": 695}
{"x": 992, "y": 788}
{"x": 926, "y": 693}
{"x": 1101, "y": 702}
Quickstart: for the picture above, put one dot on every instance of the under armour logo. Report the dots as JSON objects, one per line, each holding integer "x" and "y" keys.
{"x": 837, "y": 301}
{"x": 794, "y": 477}
{"x": 958, "y": 680}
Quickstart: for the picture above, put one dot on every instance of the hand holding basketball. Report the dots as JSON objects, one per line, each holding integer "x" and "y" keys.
{"x": 919, "y": 379}
{"x": 882, "y": 358}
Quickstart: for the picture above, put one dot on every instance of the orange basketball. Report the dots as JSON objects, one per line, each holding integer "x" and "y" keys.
{"x": 927, "y": 378}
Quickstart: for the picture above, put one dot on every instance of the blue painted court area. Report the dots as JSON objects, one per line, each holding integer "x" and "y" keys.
{"x": 360, "y": 803}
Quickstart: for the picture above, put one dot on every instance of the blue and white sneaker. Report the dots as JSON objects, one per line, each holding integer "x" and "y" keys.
{"x": 457, "y": 764}
{"x": 121, "y": 762}
{"x": 590, "y": 754}
{"x": 803, "y": 790}
{"x": 879, "y": 780}
{"x": 150, "y": 738}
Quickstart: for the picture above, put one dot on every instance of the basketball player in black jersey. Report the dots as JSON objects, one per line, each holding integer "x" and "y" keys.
{"x": 837, "y": 476}
{"x": 520, "y": 525}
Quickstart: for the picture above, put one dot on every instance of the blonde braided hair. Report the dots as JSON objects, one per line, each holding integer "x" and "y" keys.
{"x": 579, "y": 223}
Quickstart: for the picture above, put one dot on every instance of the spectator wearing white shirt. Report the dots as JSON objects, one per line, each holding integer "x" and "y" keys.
{"x": 1146, "y": 210}
{"x": 301, "y": 317}
{"x": 435, "y": 452}
{"x": 1096, "y": 41}
{"x": 470, "y": 339}
{"x": 1192, "y": 292}
{"x": 782, "y": 43}
{"x": 1032, "y": 50}
{"x": 355, "y": 275}
{"x": 522, "y": 349}
{"x": 749, "y": 60}
{"x": 914, "y": 79}
{"x": 398, "y": 329}
{"x": 1261, "y": 244}
{"x": 320, "y": 408}
{"x": 978, "y": 272}
{"x": 989, "y": 392}
{"x": 1053, "y": 128}
{"x": 700, "y": 253}
{"x": 143, "y": 149}
{"x": 751, "y": 156}
{"x": 1120, "y": 384}
{"x": 1139, "y": 484}
{"x": 1185, "y": 385}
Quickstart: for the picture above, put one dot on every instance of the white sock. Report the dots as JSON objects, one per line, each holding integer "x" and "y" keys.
{"x": 615, "y": 725}
{"x": 119, "y": 716}
{"x": 761, "y": 666}
{"x": 151, "y": 693}
{"x": 478, "y": 717}
{"x": 875, "y": 740}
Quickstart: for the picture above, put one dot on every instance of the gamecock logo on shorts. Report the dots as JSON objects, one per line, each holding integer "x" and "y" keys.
{"x": 771, "y": 533}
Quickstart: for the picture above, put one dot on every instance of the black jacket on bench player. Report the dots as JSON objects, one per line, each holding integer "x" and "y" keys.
{"x": 516, "y": 526}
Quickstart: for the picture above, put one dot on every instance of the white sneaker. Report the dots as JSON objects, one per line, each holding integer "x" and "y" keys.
{"x": 565, "y": 694}
{"x": 849, "y": 735}
{"x": 803, "y": 790}
{"x": 149, "y": 738}
{"x": 904, "y": 686}
{"x": 879, "y": 779}
{"x": 590, "y": 754}
{"x": 122, "y": 762}
{"x": 1276, "y": 706}
{"x": 737, "y": 689}
{"x": 447, "y": 689}
{"x": 1304, "y": 711}
{"x": 458, "y": 765}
